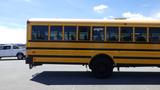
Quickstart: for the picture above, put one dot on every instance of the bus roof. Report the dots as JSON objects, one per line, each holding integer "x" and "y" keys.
{"x": 93, "y": 20}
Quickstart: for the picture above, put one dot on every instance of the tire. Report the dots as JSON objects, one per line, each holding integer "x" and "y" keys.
{"x": 102, "y": 67}
{"x": 0, "y": 58}
{"x": 20, "y": 56}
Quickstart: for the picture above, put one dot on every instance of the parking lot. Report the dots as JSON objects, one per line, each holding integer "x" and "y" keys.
{"x": 15, "y": 75}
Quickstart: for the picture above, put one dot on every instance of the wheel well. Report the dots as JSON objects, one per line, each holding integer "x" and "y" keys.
{"x": 99, "y": 56}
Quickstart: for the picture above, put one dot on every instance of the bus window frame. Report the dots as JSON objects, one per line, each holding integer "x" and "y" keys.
{"x": 30, "y": 38}
{"x": 150, "y": 37}
{"x": 61, "y": 32}
{"x": 121, "y": 40}
{"x": 89, "y": 36}
{"x": 135, "y": 28}
{"x": 107, "y": 39}
{"x": 75, "y": 32}
{"x": 103, "y": 32}
{"x": 31, "y": 32}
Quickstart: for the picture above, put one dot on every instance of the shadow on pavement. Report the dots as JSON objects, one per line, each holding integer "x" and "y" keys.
{"x": 85, "y": 78}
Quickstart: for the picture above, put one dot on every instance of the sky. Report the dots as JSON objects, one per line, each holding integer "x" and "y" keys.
{"x": 15, "y": 13}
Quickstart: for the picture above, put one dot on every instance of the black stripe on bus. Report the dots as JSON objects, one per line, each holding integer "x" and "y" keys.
{"x": 135, "y": 65}
{"x": 115, "y": 57}
{"x": 129, "y": 57}
{"x": 61, "y": 56}
{"x": 71, "y": 63}
{"x": 117, "y": 65}
{"x": 105, "y": 49}
{"x": 94, "y": 42}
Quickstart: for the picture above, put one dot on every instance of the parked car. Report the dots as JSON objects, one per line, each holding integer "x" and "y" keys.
{"x": 11, "y": 50}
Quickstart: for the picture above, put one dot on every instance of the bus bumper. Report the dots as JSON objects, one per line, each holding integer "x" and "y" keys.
{"x": 29, "y": 60}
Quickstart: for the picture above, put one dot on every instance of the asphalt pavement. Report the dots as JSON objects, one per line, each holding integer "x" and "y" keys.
{"x": 16, "y": 75}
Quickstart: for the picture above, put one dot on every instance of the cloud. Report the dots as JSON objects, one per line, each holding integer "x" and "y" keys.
{"x": 109, "y": 17}
{"x": 130, "y": 15}
{"x": 136, "y": 16}
{"x": 100, "y": 8}
{"x": 12, "y": 35}
{"x": 157, "y": 15}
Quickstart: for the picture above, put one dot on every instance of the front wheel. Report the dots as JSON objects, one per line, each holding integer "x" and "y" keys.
{"x": 102, "y": 68}
{"x": 20, "y": 56}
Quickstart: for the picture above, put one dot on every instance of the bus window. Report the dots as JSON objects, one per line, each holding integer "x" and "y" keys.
{"x": 84, "y": 32}
{"x": 126, "y": 34}
{"x": 39, "y": 32}
{"x": 70, "y": 33}
{"x": 140, "y": 34}
{"x": 154, "y": 35}
{"x": 98, "y": 33}
{"x": 56, "y": 33}
{"x": 112, "y": 34}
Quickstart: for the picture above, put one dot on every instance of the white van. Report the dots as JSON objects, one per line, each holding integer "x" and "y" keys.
{"x": 12, "y": 50}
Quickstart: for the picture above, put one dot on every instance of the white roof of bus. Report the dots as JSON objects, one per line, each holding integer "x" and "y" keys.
{"x": 94, "y": 20}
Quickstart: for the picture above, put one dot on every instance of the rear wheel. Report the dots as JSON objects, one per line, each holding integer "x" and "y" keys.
{"x": 20, "y": 56}
{"x": 102, "y": 67}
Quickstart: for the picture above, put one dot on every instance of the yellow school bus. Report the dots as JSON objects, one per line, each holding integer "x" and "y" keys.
{"x": 100, "y": 44}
